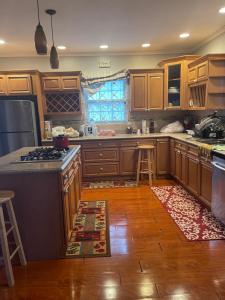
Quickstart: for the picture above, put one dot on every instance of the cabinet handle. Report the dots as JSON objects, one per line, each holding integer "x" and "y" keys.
{"x": 66, "y": 176}
{"x": 100, "y": 154}
{"x": 101, "y": 169}
{"x": 99, "y": 144}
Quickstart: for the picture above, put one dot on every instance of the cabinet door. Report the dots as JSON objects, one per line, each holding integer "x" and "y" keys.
{"x": 66, "y": 212}
{"x": 163, "y": 157}
{"x": 70, "y": 82}
{"x": 138, "y": 86}
{"x": 178, "y": 164}
{"x": 51, "y": 83}
{"x": 183, "y": 167}
{"x": 155, "y": 91}
{"x": 193, "y": 174}
{"x": 192, "y": 75}
{"x": 173, "y": 85}
{"x": 202, "y": 71}
{"x": 128, "y": 160}
{"x": 3, "y": 88}
{"x": 72, "y": 201}
{"x": 19, "y": 84}
{"x": 77, "y": 190}
{"x": 206, "y": 181}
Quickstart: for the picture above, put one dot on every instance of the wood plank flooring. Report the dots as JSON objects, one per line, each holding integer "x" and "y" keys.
{"x": 151, "y": 259}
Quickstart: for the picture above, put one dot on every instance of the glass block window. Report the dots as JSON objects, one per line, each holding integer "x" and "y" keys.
{"x": 108, "y": 103}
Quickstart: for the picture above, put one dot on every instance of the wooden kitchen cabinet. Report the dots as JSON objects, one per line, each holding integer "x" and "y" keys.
{"x": 146, "y": 89}
{"x": 206, "y": 81}
{"x": 66, "y": 215}
{"x": 128, "y": 160}
{"x": 163, "y": 157}
{"x": 3, "y": 86}
{"x": 205, "y": 191}
{"x": 172, "y": 157}
{"x": 175, "y": 81}
{"x": 19, "y": 84}
{"x": 61, "y": 81}
{"x": 178, "y": 164}
{"x": 193, "y": 174}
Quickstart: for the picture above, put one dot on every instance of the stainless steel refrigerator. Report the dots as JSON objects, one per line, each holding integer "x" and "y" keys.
{"x": 18, "y": 124}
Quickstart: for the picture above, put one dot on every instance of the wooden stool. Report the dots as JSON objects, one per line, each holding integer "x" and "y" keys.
{"x": 149, "y": 151}
{"x": 5, "y": 198}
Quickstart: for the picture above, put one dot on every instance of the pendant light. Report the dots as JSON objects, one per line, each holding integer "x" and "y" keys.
{"x": 54, "y": 59}
{"x": 39, "y": 37}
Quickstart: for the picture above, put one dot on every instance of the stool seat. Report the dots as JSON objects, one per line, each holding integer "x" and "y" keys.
{"x": 6, "y": 196}
{"x": 150, "y": 147}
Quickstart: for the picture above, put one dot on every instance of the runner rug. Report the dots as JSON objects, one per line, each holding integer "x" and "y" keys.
{"x": 90, "y": 236}
{"x": 194, "y": 220}
{"x": 108, "y": 184}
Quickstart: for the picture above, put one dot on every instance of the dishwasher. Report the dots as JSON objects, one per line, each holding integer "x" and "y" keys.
{"x": 218, "y": 186}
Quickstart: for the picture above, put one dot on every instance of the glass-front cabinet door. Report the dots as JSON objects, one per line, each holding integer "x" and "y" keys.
{"x": 174, "y": 86}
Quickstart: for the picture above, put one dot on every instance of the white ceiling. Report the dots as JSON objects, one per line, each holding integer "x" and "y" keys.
{"x": 83, "y": 25}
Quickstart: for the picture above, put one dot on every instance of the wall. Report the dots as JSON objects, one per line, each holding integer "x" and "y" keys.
{"x": 87, "y": 64}
{"x": 217, "y": 45}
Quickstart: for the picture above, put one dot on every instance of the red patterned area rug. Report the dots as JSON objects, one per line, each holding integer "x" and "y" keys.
{"x": 109, "y": 184}
{"x": 90, "y": 237}
{"x": 194, "y": 220}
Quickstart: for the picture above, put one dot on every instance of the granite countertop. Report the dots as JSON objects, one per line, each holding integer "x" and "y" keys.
{"x": 184, "y": 137}
{"x": 7, "y": 165}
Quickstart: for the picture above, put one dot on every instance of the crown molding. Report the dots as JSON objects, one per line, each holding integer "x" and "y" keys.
{"x": 209, "y": 39}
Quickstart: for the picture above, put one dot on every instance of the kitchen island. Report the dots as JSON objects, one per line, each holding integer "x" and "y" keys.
{"x": 46, "y": 201}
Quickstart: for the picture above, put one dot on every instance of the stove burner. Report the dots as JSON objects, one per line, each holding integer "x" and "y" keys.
{"x": 44, "y": 154}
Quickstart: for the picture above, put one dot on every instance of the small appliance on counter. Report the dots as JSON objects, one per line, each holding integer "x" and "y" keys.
{"x": 211, "y": 127}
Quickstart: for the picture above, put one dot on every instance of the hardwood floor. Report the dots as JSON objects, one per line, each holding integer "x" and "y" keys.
{"x": 151, "y": 259}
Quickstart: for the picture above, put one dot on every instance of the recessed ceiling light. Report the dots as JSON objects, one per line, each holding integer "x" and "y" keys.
{"x": 184, "y": 35}
{"x": 146, "y": 45}
{"x": 104, "y": 46}
{"x": 222, "y": 10}
{"x": 61, "y": 47}
{"x": 2, "y": 42}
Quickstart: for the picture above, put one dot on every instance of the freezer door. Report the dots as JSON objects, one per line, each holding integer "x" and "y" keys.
{"x": 12, "y": 141}
{"x": 17, "y": 115}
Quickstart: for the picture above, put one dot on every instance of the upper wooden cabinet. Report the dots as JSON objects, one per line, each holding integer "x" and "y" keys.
{"x": 146, "y": 89}
{"x": 206, "y": 79}
{"x": 61, "y": 81}
{"x": 175, "y": 81}
{"x": 3, "y": 87}
{"x": 20, "y": 84}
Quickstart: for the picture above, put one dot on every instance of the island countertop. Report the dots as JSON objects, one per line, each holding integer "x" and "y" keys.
{"x": 8, "y": 165}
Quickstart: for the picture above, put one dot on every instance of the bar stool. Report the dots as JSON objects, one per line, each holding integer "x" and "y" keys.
{"x": 6, "y": 199}
{"x": 148, "y": 151}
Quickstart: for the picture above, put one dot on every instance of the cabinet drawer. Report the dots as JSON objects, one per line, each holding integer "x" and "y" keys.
{"x": 51, "y": 83}
{"x": 192, "y": 75}
{"x": 70, "y": 82}
{"x": 100, "y": 169}
{"x": 99, "y": 143}
{"x": 136, "y": 142}
{"x": 101, "y": 155}
{"x": 194, "y": 151}
{"x": 180, "y": 146}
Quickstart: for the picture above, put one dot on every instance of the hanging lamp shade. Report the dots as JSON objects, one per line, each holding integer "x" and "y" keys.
{"x": 54, "y": 58}
{"x": 39, "y": 37}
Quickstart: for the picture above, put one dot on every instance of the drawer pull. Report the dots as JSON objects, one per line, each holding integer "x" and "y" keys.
{"x": 100, "y": 154}
{"x": 66, "y": 176}
{"x": 101, "y": 169}
{"x": 99, "y": 144}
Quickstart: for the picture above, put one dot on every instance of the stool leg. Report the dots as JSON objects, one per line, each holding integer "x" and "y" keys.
{"x": 149, "y": 167}
{"x": 138, "y": 166}
{"x": 5, "y": 250}
{"x": 16, "y": 234}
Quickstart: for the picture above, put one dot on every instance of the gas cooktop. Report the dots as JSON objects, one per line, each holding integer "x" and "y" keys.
{"x": 44, "y": 154}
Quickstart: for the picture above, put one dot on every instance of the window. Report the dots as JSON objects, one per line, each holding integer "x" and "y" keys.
{"x": 108, "y": 104}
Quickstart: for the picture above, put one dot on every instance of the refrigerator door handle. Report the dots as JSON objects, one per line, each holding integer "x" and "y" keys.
{"x": 218, "y": 166}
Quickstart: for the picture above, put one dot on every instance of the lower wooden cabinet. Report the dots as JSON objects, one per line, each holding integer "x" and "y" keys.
{"x": 100, "y": 169}
{"x": 163, "y": 157}
{"x": 172, "y": 157}
{"x": 128, "y": 160}
{"x": 178, "y": 164}
{"x": 193, "y": 174}
{"x": 71, "y": 195}
{"x": 205, "y": 191}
